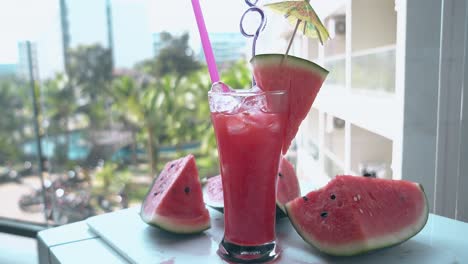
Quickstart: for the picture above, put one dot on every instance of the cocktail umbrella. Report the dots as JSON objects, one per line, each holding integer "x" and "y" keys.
{"x": 302, "y": 15}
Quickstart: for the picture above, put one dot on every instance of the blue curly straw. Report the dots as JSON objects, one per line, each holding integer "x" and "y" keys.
{"x": 261, "y": 26}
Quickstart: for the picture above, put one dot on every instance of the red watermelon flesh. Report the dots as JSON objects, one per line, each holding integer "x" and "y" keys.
{"x": 214, "y": 192}
{"x": 288, "y": 185}
{"x": 301, "y": 78}
{"x": 353, "y": 215}
{"x": 175, "y": 200}
{"x": 287, "y": 189}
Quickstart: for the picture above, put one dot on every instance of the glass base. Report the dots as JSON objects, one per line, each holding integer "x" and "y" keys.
{"x": 248, "y": 254}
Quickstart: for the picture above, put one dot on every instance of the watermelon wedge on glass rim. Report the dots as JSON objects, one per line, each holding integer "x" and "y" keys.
{"x": 174, "y": 202}
{"x": 353, "y": 215}
{"x": 301, "y": 78}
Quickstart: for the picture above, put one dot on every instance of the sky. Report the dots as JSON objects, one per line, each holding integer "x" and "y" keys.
{"x": 134, "y": 21}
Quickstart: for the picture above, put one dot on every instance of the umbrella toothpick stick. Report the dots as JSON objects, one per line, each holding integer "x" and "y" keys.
{"x": 291, "y": 40}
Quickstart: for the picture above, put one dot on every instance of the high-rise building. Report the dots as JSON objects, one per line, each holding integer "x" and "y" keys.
{"x": 228, "y": 47}
{"x": 23, "y": 60}
{"x": 7, "y": 69}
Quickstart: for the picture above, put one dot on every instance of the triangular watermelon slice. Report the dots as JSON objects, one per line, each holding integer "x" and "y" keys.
{"x": 301, "y": 78}
{"x": 175, "y": 200}
{"x": 353, "y": 214}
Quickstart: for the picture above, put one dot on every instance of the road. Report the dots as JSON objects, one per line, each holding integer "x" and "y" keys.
{"x": 10, "y": 194}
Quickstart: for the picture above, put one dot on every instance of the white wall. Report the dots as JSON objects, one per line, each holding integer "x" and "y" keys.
{"x": 369, "y": 147}
{"x": 373, "y": 23}
{"x": 334, "y": 138}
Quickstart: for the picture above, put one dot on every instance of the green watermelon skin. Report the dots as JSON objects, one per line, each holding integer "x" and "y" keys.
{"x": 352, "y": 215}
{"x": 301, "y": 78}
{"x": 175, "y": 201}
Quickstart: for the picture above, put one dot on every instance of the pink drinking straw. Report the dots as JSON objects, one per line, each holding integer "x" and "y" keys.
{"x": 205, "y": 39}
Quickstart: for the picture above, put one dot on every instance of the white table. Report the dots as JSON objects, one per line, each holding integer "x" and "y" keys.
{"x": 121, "y": 237}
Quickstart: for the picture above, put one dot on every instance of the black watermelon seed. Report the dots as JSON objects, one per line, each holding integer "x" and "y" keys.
{"x": 333, "y": 197}
{"x": 187, "y": 190}
{"x": 279, "y": 174}
{"x": 305, "y": 198}
{"x": 156, "y": 193}
{"x": 172, "y": 165}
{"x": 324, "y": 214}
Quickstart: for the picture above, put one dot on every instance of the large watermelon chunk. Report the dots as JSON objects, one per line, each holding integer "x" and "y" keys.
{"x": 287, "y": 189}
{"x": 301, "y": 78}
{"x": 353, "y": 215}
{"x": 175, "y": 200}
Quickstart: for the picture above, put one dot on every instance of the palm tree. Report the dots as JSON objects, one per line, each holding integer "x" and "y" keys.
{"x": 135, "y": 102}
{"x": 90, "y": 72}
{"x": 61, "y": 107}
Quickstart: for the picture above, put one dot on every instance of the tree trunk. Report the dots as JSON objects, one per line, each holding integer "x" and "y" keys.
{"x": 134, "y": 148}
{"x": 67, "y": 139}
{"x": 152, "y": 150}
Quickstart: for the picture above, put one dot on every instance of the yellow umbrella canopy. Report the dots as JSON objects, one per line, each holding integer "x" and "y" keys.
{"x": 302, "y": 15}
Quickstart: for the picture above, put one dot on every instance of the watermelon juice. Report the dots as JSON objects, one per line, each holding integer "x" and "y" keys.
{"x": 249, "y": 133}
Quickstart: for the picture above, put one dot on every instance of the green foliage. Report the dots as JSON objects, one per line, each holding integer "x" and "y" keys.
{"x": 175, "y": 57}
{"x": 60, "y": 106}
{"x": 15, "y": 121}
{"x": 160, "y": 100}
{"x": 90, "y": 67}
{"x": 112, "y": 179}
{"x": 60, "y": 110}
{"x": 90, "y": 75}
{"x": 137, "y": 192}
{"x": 238, "y": 76}
{"x": 163, "y": 102}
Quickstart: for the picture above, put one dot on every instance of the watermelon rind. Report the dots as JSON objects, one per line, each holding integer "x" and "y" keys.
{"x": 274, "y": 58}
{"x": 177, "y": 226}
{"x": 355, "y": 248}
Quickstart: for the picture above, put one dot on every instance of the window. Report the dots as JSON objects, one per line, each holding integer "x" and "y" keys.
{"x": 120, "y": 89}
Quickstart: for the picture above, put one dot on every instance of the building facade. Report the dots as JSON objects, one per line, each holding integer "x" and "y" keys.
{"x": 393, "y": 104}
{"x": 8, "y": 69}
{"x": 228, "y": 47}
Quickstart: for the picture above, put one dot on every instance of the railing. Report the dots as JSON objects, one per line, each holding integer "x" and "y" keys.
{"x": 374, "y": 69}
{"x": 337, "y": 68}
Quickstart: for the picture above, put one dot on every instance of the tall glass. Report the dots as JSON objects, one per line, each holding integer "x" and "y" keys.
{"x": 249, "y": 128}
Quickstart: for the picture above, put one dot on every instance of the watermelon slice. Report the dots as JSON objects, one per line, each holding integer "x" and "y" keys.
{"x": 214, "y": 197}
{"x": 301, "y": 78}
{"x": 287, "y": 189}
{"x": 175, "y": 200}
{"x": 353, "y": 215}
